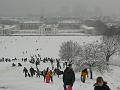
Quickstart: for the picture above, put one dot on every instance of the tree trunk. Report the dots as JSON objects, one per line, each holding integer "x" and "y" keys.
{"x": 107, "y": 59}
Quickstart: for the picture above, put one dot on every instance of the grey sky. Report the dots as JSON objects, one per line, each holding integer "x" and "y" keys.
{"x": 59, "y": 7}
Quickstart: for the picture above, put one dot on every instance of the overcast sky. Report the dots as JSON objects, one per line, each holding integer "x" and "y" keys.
{"x": 58, "y": 7}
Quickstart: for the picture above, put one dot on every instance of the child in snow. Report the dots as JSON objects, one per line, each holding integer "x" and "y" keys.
{"x": 25, "y": 71}
{"x": 51, "y": 75}
{"x": 84, "y": 74}
{"x": 101, "y": 84}
{"x": 47, "y": 77}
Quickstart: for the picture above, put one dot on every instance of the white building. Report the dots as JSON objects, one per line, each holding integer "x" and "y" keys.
{"x": 48, "y": 29}
{"x": 7, "y": 29}
{"x": 69, "y": 24}
{"x": 29, "y": 25}
{"x": 88, "y": 30}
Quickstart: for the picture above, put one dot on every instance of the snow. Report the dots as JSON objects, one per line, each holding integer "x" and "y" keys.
{"x": 31, "y": 22}
{"x": 47, "y": 45}
{"x": 12, "y": 78}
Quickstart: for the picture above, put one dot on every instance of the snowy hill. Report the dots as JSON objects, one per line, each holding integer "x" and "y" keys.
{"x": 12, "y": 78}
{"x": 48, "y": 46}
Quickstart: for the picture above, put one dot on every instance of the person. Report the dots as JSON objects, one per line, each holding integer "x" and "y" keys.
{"x": 32, "y": 71}
{"x": 101, "y": 84}
{"x": 66, "y": 63}
{"x": 38, "y": 72}
{"x": 84, "y": 74}
{"x": 52, "y": 66}
{"x": 36, "y": 63}
{"x": 68, "y": 77}
{"x": 47, "y": 77}
{"x": 44, "y": 74}
{"x": 25, "y": 71}
{"x": 58, "y": 63}
{"x": 13, "y": 64}
{"x": 63, "y": 64}
{"x": 51, "y": 75}
{"x": 19, "y": 64}
{"x": 58, "y": 72}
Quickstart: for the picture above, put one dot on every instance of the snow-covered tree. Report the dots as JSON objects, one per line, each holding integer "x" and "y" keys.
{"x": 110, "y": 45}
{"x": 69, "y": 50}
{"x": 92, "y": 56}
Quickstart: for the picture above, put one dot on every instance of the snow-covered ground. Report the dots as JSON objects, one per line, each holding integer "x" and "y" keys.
{"x": 16, "y": 46}
{"x": 12, "y": 78}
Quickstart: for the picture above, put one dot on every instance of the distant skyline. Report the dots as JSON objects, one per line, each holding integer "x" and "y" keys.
{"x": 59, "y": 7}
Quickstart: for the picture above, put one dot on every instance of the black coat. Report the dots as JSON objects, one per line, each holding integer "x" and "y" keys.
{"x": 103, "y": 87}
{"x": 68, "y": 76}
{"x": 32, "y": 70}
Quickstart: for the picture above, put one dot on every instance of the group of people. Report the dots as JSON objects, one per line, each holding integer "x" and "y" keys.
{"x": 4, "y": 59}
{"x": 19, "y": 65}
{"x": 47, "y": 74}
{"x": 68, "y": 77}
{"x": 29, "y": 73}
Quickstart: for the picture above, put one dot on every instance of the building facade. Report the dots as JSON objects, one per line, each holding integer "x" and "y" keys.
{"x": 48, "y": 29}
{"x": 29, "y": 25}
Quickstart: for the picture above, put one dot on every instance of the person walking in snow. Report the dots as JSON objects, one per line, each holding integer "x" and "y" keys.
{"x": 63, "y": 64}
{"x": 52, "y": 66}
{"x": 32, "y": 71}
{"x": 37, "y": 72}
{"x": 45, "y": 73}
{"x": 101, "y": 84}
{"x": 68, "y": 77}
{"x": 66, "y": 63}
{"x": 84, "y": 74}
{"x": 48, "y": 77}
{"x": 58, "y": 63}
{"x": 25, "y": 71}
{"x": 51, "y": 75}
{"x": 37, "y": 62}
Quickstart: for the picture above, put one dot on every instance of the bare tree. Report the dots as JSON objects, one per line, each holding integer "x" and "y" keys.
{"x": 93, "y": 56}
{"x": 110, "y": 45}
{"x": 69, "y": 50}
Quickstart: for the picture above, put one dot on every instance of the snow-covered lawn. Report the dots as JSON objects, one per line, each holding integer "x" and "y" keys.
{"x": 15, "y": 46}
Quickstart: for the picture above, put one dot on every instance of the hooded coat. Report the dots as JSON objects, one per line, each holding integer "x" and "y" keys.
{"x": 68, "y": 76}
{"x": 103, "y": 87}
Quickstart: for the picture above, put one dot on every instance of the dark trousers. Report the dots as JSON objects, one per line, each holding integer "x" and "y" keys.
{"x": 31, "y": 74}
{"x": 25, "y": 74}
{"x": 83, "y": 80}
{"x": 64, "y": 87}
{"x": 44, "y": 78}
